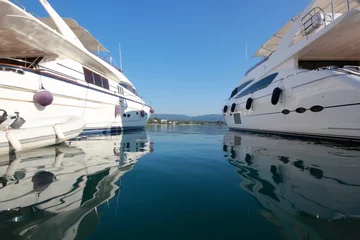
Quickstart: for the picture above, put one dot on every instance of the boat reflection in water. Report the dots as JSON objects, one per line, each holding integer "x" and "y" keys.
{"x": 54, "y": 192}
{"x": 308, "y": 190}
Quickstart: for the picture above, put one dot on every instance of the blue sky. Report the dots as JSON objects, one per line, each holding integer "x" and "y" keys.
{"x": 186, "y": 56}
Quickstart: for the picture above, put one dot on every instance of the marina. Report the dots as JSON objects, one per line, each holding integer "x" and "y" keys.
{"x": 84, "y": 156}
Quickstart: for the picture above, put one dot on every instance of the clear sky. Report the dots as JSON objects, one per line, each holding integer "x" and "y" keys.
{"x": 186, "y": 56}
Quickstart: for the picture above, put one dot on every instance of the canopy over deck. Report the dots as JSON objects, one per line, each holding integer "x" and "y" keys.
{"x": 328, "y": 6}
{"x": 89, "y": 41}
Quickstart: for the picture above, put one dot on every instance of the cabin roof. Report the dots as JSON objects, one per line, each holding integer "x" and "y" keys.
{"x": 85, "y": 37}
{"x": 270, "y": 45}
{"x": 339, "y": 6}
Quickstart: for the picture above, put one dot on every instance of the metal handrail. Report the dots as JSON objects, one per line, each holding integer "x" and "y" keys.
{"x": 310, "y": 17}
{"x": 145, "y": 99}
{"x": 352, "y": 69}
{"x": 19, "y": 4}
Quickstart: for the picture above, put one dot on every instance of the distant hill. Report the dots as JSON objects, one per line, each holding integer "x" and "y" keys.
{"x": 182, "y": 117}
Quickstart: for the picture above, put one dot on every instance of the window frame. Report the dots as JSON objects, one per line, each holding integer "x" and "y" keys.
{"x": 261, "y": 84}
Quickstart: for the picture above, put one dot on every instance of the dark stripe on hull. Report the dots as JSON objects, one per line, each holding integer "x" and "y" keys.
{"x": 90, "y": 131}
{"x": 307, "y": 109}
{"x": 341, "y": 139}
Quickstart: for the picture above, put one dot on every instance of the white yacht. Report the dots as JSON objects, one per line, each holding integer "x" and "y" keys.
{"x": 308, "y": 82}
{"x": 53, "y": 67}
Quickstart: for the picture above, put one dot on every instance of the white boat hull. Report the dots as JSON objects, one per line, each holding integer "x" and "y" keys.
{"x": 336, "y": 92}
{"x": 94, "y": 104}
{"x": 40, "y": 133}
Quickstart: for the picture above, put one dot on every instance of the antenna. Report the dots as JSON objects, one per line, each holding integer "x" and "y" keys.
{"x": 121, "y": 66}
{"x": 246, "y": 56}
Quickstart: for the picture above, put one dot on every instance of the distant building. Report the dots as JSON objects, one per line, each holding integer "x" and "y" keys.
{"x": 163, "y": 121}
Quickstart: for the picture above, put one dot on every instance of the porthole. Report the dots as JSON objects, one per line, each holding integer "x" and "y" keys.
{"x": 128, "y": 115}
{"x": 233, "y": 106}
{"x": 317, "y": 108}
{"x": 225, "y": 109}
{"x": 286, "y": 111}
{"x": 300, "y": 110}
{"x": 137, "y": 113}
{"x": 124, "y": 115}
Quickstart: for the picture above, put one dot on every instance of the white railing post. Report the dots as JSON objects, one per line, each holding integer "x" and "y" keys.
{"x": 332, "y": 9}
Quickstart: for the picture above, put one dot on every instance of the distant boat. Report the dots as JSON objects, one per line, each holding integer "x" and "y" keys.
{"x": 308, "y": 83}
{"x": 51, "y": 67}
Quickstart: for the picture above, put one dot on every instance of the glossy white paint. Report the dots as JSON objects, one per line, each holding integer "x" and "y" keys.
{"x": 336, "y": 90}
{"x": 61, "y": 72}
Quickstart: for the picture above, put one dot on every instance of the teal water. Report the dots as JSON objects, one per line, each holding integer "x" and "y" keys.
{"x": 182, "y": 182}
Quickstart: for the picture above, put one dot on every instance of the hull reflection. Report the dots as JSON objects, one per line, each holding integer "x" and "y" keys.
{"x": 309, "y": 191}
{"x": 59, "y": 188}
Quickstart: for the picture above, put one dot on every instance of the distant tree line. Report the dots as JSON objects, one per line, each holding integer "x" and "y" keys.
{"x": 179, "y": 122}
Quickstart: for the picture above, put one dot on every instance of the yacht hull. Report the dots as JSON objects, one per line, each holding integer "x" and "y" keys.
{"x": 321, "y": 104}
{"x": 97, "y": 106}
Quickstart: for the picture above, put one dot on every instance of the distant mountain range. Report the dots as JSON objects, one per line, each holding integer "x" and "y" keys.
{"x": 182, "y": 117}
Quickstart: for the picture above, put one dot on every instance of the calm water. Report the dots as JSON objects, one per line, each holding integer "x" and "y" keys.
{"x": 182, "y": 182}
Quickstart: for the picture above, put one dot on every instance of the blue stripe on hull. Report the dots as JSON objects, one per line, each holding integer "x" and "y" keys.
{"x": 90, "y": 131}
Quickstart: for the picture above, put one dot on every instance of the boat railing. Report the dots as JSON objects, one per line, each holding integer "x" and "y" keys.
{"x": 33, "y": 65}
{"x": 313, "y": 20}
{"x": 147, "y": 101}
{"x": 19, "y": 4}
{"x": 352, "y": 69}
{"x": 323, "y": 15}
{"x": 59, "y": 74}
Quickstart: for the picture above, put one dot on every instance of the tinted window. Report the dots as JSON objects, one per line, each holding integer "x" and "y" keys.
{"x": 97, "y": 79}
{"x": 239, "y": 88}
{"x": 129, "y": 88}
{"x": 88, "y": 76}
{"x": 105, "y": 83}
{"x": 258, "y": 85}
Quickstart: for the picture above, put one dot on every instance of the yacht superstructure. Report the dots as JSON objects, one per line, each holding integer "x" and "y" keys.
{"x": 55, "y": 58}
{"x": 308, "y": 82}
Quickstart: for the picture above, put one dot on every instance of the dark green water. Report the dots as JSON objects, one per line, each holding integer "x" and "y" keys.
{"x": 182, "y": 182}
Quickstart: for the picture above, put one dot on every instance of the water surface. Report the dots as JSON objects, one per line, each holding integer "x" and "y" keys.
{"x": 182, "y": 182}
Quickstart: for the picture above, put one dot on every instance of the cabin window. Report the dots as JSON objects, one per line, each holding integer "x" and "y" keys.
{"x": 234, "y": 92}
{"x": 105, "y": 83}
{"x": 262, "y": 83}
{"x": 131, "y": 89}
{"x": 88, "y": 76}
{"x": 239, "y": 88}
{"x": 96, "y": 79}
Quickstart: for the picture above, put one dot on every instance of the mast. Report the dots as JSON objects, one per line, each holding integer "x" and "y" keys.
{"x": 121, "y": 66}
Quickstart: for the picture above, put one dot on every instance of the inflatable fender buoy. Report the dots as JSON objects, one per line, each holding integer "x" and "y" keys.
{"x": 233, "y": 106}
{"x": 276, "y": 96}
{"x": 248, "y": 103}
{"x": 225, "y": 109}
{"x": 43, "y": 97}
